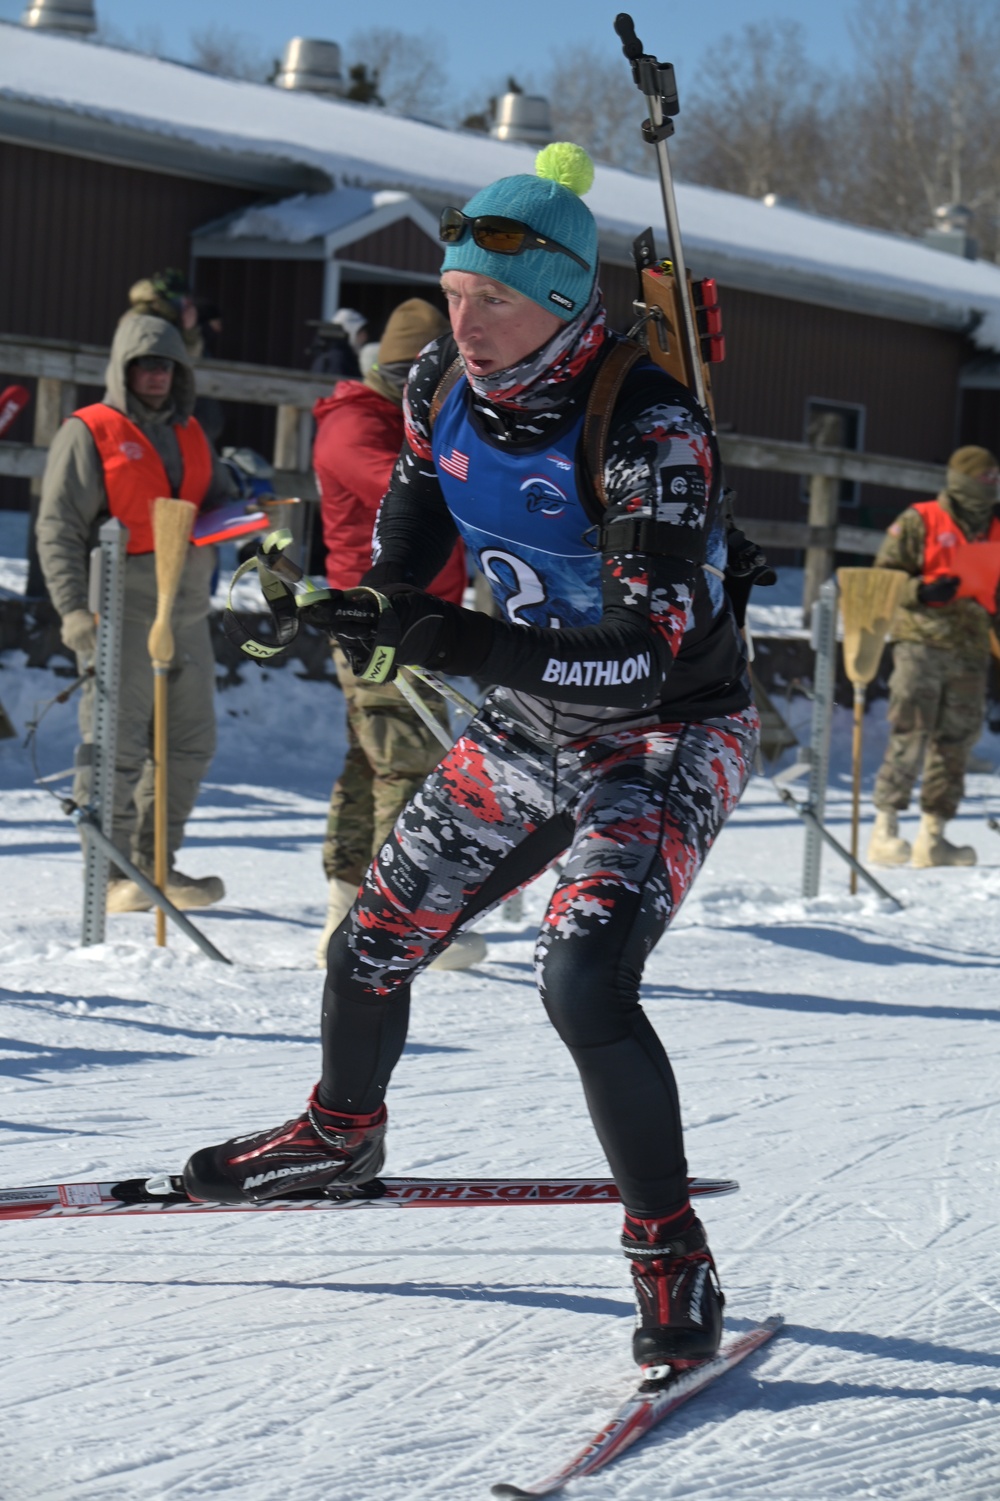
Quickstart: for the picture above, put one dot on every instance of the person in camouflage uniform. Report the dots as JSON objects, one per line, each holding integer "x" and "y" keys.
{"x": 941, "y": 652}
{"x": 390, "y": 751}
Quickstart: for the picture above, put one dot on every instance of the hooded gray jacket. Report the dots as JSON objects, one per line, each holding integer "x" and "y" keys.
{"x": 75, "y": 503}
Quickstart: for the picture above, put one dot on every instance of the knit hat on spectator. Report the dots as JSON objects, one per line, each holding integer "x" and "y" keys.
{"x": 550, "y": 204}
{"x": 411, "y": 326}
{"x": 972, "y": 461}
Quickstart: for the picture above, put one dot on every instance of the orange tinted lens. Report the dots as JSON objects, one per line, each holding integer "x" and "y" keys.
{"x": 505, "y": 239}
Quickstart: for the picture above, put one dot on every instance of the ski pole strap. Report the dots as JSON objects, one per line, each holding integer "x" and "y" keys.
{"x": 286, "y": 591}
{"x": 380, "y": 666}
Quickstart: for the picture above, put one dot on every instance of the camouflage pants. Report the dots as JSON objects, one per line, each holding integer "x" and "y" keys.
{"x": 389, "y": 753}
{"x": 190, "y": 738}
{"x": 936, "y": 706}
{"x": 636, "y": 812}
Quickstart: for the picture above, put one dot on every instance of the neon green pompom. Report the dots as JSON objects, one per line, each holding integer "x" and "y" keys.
{"x": 568, "y": 164}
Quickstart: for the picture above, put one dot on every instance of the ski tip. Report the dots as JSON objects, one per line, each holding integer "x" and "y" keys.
{"x": 506, "y": 1492}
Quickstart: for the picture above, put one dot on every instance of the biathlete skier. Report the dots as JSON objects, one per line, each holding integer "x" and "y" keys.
{"x": 619, "y": 735}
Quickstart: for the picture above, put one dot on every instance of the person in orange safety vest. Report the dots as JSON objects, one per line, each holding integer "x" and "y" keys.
{"x": 115, "y": 457}
{"x": 950, "y": 547}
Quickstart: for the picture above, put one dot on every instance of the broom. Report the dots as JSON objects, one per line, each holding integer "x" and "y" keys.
{"x": 868, "y": 600}
{"x": 172, "y": 523}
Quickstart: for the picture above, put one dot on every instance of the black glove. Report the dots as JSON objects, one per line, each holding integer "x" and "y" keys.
{"x": 420, "y": 629}
{"x": 352, "y": 617}
{"x": 939, "y": 591}
{"x": 436, "y": 634}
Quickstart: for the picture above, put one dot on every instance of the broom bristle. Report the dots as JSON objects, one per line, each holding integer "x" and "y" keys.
{"x": 868, "y": 601}
{"x": 172, "y": 524}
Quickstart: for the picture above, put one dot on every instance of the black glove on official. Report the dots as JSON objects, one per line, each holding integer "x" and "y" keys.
{"x": 940, "y": 591}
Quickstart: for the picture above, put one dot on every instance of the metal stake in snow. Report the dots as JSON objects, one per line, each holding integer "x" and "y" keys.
{"x": 107, "y": 595}
{"x": 824, "y": 642}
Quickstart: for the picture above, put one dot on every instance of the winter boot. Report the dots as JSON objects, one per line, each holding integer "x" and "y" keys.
{"x": 188, "y": 892}
{"x": 885, "y": 846}
{"x": 462, "y": 952}
{"x": 931, "y": 847}
{"x": 677, "y": 1293}
{"x": 311, "y": 1153}
{"x": 340, "y": 902}
{"x": 125, "y": 896}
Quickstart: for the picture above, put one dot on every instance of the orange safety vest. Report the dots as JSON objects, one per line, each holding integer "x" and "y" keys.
{"x": 943, "y": 538}
{"x": 134, "y": 474}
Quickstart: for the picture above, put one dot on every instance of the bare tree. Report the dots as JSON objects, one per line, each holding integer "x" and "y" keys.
{"x": 920, "y": 120}
{"x": 595, "y": 104}
{"x": 231, "y": 54}
{"x": 759, "y": 122}
{"x": 410, "y": 76}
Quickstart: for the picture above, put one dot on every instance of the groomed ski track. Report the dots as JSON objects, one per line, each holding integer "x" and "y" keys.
{"x": 839, "y": 1059}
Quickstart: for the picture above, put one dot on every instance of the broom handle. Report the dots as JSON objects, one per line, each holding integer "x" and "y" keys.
{"x": 172, "y": 523}
{"x": 160, "y": 795}
{"x": 859, "y": 715}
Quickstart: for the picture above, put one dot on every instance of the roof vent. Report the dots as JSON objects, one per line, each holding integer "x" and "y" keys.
{"x": 72, "y": 17}
{"x": 522, "y": 117}
{"x": 312, "y": 67}
{"x": 952, "y": 231}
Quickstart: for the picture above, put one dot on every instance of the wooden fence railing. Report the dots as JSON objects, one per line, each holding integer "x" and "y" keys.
{"x": 61, "y": 368}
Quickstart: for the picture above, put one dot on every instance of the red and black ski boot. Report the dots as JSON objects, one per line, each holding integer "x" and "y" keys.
{"x": 678, "y": 1298}
{"x": 312, "y": 1153}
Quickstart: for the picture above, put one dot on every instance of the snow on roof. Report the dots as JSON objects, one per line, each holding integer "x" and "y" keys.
{"x": 776, "y": 250}
{"x": 308, "y": 216}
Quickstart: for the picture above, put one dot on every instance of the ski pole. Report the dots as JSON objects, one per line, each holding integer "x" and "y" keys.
{"x": 91, "y": 829}
{"x": 657, "y": 82}
{"x": 808, "y": 816}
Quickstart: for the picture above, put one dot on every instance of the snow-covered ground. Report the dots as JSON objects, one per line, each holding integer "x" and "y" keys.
{"x": 838, "y": 1057}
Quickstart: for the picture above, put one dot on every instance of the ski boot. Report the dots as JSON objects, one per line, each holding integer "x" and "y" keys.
{"x": 312, "y": 1153}
{"x": 931, "y": 847}
{"x": 677, "y": 1293}
{"x": 886, "y": 846}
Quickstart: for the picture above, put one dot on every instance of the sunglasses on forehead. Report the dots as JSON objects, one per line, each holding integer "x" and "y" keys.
{"x": 504, "y": 236}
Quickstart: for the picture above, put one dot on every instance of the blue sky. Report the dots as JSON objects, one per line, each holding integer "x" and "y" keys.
{"x": 482, "y": 44}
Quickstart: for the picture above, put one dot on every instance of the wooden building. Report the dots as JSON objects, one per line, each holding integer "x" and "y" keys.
{"x": 282, "y": 207}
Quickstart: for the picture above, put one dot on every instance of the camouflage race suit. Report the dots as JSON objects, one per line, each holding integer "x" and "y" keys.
{"x": 389, "y": 753}
{"x": 936, "y": 707}
{"x": 637, "y": 809}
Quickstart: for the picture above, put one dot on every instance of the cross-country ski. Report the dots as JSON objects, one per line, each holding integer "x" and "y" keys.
{"x": 648, "y": 1406}
{"x": 500, "y": 677}
{"x": 165, "y": 1194}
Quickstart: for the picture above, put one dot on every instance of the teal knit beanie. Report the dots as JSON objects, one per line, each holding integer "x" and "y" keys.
{"x": 550, "y": 204}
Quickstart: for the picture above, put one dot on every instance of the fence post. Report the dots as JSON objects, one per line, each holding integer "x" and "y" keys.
{"x": 824, "y": 508}
{"x": 107, "y": 595}
{"x": 824, "y": 642}
{"x": 289, "y": 441}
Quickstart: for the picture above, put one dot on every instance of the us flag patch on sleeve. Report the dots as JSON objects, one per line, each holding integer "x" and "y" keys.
{"x": 455, "y": 464}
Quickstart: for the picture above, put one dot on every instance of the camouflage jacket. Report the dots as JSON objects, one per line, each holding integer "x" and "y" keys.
{"x": 962, "y": 627}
